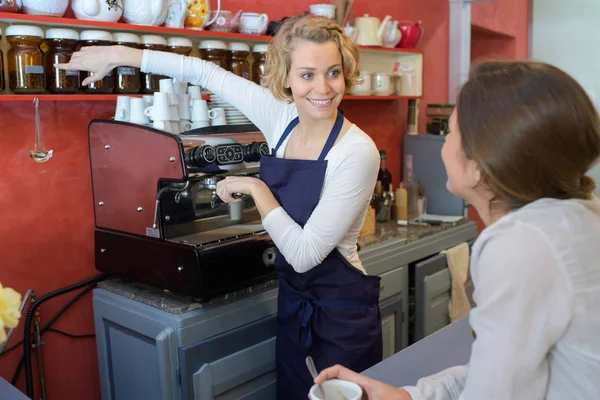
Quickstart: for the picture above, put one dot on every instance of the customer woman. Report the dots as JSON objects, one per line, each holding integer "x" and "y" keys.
{"x": 521, "y": 139}
{"x": 313, "y": 193}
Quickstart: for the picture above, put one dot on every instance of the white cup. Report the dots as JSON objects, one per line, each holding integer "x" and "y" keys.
{"x": 148, "y": 100}
{"x": 336, "y": 389}
{"x": 180, "y": 86}
{"x": 137, "y": 115}
{"x": 217, "y": 116}
{"x": 159, "y": 111}
{"x": 166, "y": 85}
{"x": 199, "y": 110}
{"x": 324, "y": 10}
{"x": 195, "y": 93}
{"x": 173, "y": 113}
{"x": 175, "y": 127}
{"x": 184, "y": 125}
{"x": 184, "y": 109}
{"x": 200, "y": 124}
{"x": 365, "y": 86}
{"x": 162, "y": 125}
{"x": 123, "y": 108}
{"x": 382, "y": 84}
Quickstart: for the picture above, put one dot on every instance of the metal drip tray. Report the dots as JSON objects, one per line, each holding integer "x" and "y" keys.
{"x": 221, "y": 234}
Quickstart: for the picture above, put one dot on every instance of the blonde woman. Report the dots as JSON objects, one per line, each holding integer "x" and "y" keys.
{"x": 313, "y": 193}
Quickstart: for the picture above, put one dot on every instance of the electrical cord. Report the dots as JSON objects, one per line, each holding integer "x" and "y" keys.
{"x": 45, "y": 328}
{"x": 29, "y": 318}
{"x": 72, "y": 335}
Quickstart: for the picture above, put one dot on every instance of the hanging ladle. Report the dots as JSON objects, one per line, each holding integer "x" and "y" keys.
{"x": 39, "y": 154}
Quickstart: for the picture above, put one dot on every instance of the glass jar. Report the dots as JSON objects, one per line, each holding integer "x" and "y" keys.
{"x": 61, "y": 45}
{"x": 179, "y": 45}
{"x": 25, "y": 59}
{"x": 259, "y": 55}
{"x": 105, "y": 85}
{"x": 214, "y": 51}
{"x": 127, "y": 79}
{"x": 438, "y": 116}
{"x": 150, "y": 82}
{"x": 238, "y": 59}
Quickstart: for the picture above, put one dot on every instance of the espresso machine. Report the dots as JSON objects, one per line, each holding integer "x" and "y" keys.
{"x": 158, "y": 218}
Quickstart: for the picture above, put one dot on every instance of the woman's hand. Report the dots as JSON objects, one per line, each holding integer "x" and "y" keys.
{"x": 374, "y": 390}
{"x": 231, "y": 185}
{"x": 100, "y": 60}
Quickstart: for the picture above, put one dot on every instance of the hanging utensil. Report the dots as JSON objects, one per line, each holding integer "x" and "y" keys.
{"x": 39, "y": 153}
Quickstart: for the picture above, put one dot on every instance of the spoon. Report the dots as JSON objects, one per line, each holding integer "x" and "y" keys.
{"x": 39, "y": 153}
{"x": 313, "y": 371}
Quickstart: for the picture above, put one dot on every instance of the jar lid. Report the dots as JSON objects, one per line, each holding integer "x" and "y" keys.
{"x": 260, "y": 48}
{"x": 24, "y": 30}
{"x": 154, "y": 39}
{"x": 212, "y": 44}
{"x": 440, "y": 105}
{"x": 179, "y": 41}
{"x": 237, "y": 46}
{"x": 95, "y": 35}
{"x": 125, "y": 37}
{"x": 57, "y": 33}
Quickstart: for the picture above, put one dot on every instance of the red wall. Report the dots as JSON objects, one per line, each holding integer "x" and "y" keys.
{"x": 47, "y": 227}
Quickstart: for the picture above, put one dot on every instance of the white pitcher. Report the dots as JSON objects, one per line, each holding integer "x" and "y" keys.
{"x": 145, "y": 12}
{"x": 98, "y": 10}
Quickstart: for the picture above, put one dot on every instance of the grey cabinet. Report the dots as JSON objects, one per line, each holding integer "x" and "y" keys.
{"x": 392, "y": 324}
{"x": 431, "y": 286}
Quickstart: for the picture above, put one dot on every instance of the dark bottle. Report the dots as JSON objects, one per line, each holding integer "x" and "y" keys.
{"x": 384, "y": 176}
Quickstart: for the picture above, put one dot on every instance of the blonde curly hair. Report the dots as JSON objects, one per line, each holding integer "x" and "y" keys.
{"x": 315, "y": 29}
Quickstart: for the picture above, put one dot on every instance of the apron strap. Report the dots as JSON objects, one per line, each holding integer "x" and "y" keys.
{"x": 335, "y": 132}
{"x": 286, "y": 133}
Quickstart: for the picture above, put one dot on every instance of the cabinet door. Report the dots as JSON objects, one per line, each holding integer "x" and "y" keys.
{"x": 239, "y": 364}
{"x": 392, "y": 321}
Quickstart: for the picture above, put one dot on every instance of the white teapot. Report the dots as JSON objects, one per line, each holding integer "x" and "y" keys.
{"x": 98, "y": 10}
{"x": 52, "y": 8}
{"x": 145, "y": 12}
{"x": 392, "y": 35}
{"x": 370, "y": 30}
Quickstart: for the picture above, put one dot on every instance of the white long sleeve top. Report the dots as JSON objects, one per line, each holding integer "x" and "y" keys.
{"x": 536, "y": 273}
{"x": 352, "y": 164}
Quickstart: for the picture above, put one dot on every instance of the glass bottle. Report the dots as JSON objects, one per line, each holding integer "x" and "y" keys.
{"x": 150, "y": 82}
{"x": 127, "y": 79}
{"x": 25, "y": 59}
{"x": 179, "y": 45}
{"x": 238, "y": 59}
{"x": 259, "y": 55}
{"x": 105, "y": 85}
{"x": 412, "y": 190}
{"x": 384, "y": 175}
{"x": 61, "y": 45}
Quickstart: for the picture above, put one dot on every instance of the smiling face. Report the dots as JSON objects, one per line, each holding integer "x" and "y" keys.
{"x": 316, "y": 79}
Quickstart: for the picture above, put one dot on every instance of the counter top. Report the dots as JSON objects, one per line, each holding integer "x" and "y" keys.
{"x": 178, "y": 304}
{"x": 406, "y": 234}
{"x": 445, "y": 348}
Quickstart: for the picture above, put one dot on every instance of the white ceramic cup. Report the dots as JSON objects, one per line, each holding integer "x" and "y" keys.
{"x": 335, "y": 388}
{"x": 200, "y": 124}
{"x": 184, "y": 125}
{"x": 180, "y": 86}
{"x": 148, "y": 100}
{"x": 159, "y": 111}
{"x": 217, "y": 116}
{"x": 253, "y": 23}
{"x": 137, "y": 115}
{"x": 162, "y": 125}
{"x": 184, "y": 110}
{"x": 123, "y": 108}
{"x": 324, "y": 10}
{"x": 199, "y": 110}
{"x": 195, "y": 93}
{"x": 166, "y": 85}
{"x": 365, "y": 84}
{"x": 382, "y": 84}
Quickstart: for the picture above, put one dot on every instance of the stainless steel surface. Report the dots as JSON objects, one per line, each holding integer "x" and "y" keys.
{"x": 215, "y": 235}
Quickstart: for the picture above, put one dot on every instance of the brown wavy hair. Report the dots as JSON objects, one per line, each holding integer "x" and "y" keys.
{"x": 316, "y": 29}
{"x": 531, "y": 128}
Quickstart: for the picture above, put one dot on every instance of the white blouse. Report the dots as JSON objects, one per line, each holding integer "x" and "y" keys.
{"x": 536, "y": 273}
{"x": 352, "y": 164}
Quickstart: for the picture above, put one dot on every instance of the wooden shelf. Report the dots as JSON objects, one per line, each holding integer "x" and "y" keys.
{"x": 67, "y": 97}
{"x": 121, "y": 26}
{"x": 375, "y": 97}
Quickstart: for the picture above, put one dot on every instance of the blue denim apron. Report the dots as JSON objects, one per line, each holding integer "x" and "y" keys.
{"x": 330, "y": 312}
